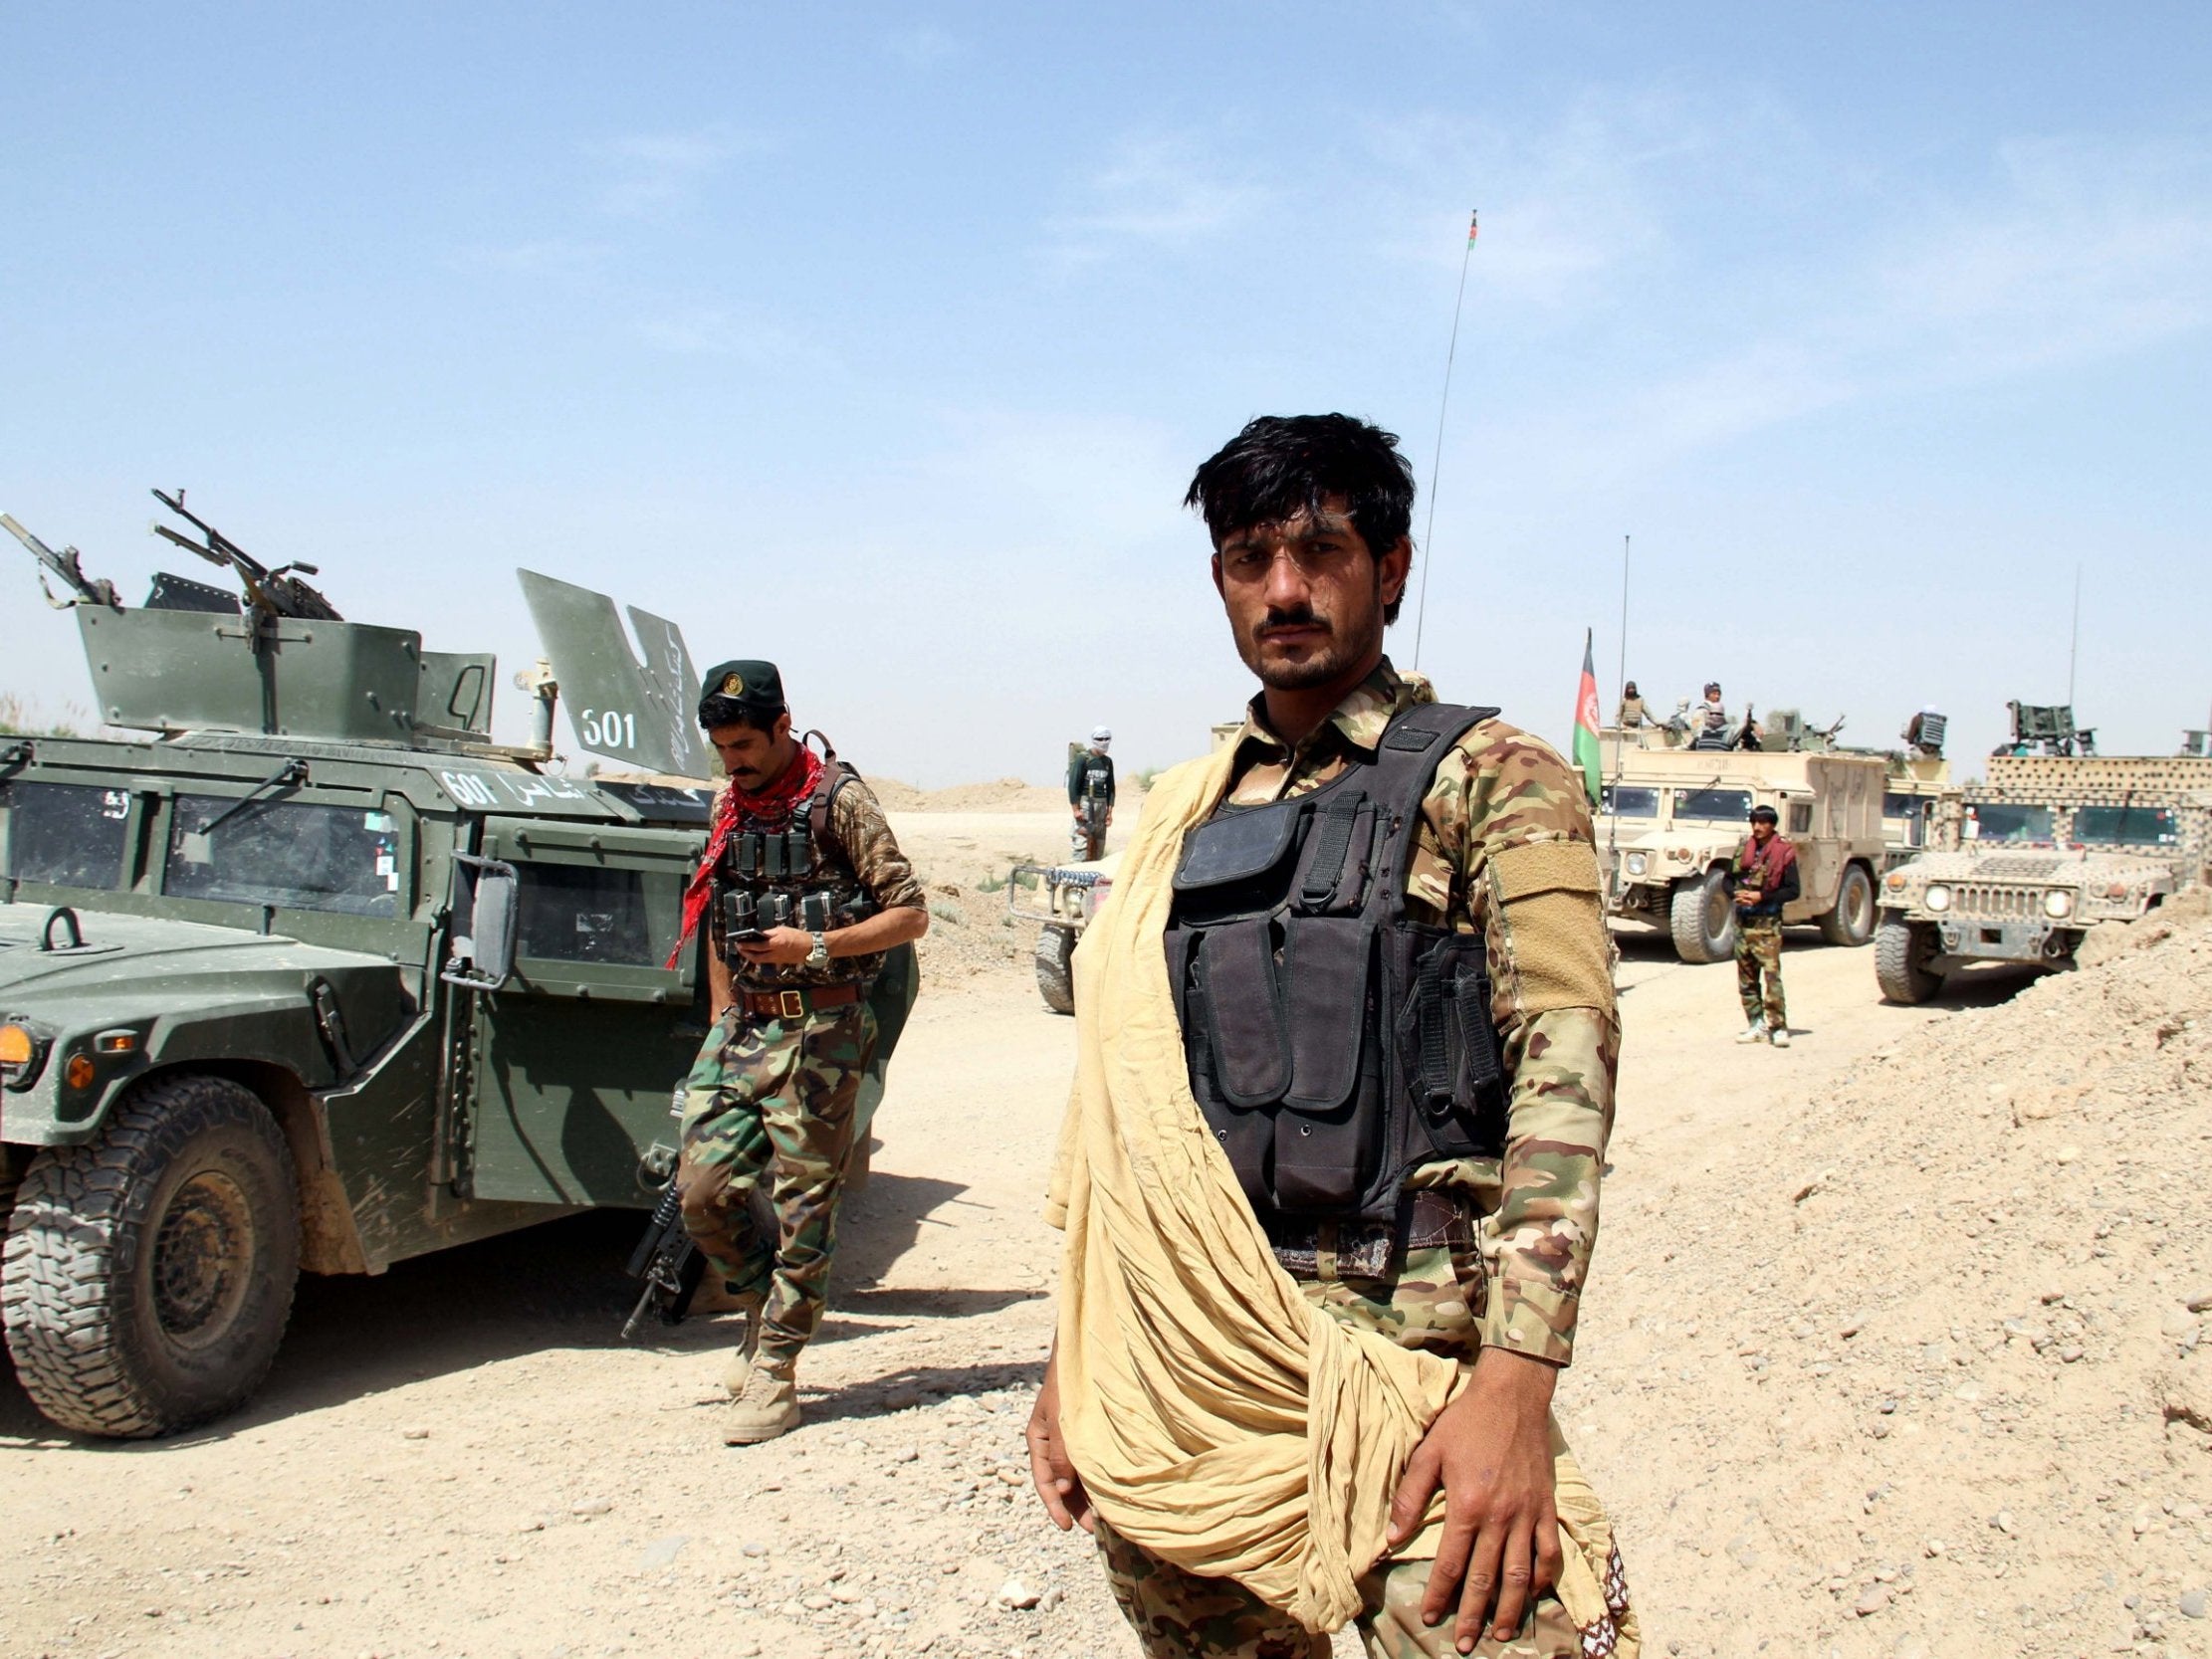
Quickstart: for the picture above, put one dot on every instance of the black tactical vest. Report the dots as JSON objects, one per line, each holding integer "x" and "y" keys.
{"x": 1333, "y": 1044}
{"x": 795, "y": 874}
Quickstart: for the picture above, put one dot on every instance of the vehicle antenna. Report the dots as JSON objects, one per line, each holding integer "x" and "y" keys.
{"x": 2074, "y": 640}
{"x": 1621, "y": 678}
{"x": 1436, "y": 465}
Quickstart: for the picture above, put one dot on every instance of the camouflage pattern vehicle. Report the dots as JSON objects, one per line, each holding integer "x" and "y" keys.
{"x": 1672, "y": 819}
{"x": 316, "y": 976}
{"x": 1068, "y": 897}
{"x": 2050, "y": 846}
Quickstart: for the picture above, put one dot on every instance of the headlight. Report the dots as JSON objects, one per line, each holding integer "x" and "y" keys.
{"x": 1636, "y": 864}
{"x": 1095, "y": 897}
{"x": 1937, "y": 896}
{"x": 22, "y": 1051}
{"x": 2059, "y": 902}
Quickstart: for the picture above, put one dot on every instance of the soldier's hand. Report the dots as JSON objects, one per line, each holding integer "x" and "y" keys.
{"x": 786, "y": 946}
{"x": 1055, "y": 1478}
{"x": 1491, "y": 1451}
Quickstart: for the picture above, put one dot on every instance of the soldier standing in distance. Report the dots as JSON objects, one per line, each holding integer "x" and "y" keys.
{"x": 1486, "y": 1259}
{"x": 804, "y": 889}
{"x": 1765, "y": 878}
{"x": 1091, "y": 796}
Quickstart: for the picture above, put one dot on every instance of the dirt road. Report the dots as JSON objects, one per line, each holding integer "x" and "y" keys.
{"x": 459, "y": 1458}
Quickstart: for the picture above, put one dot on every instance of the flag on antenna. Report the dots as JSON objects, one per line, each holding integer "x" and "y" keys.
{"x": 1585, "y": 722}
{"x": 1473, "y": 219}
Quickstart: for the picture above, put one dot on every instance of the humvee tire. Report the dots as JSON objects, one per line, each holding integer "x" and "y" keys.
{"x": 1055, "y": 967}
{"x": 1852, "y": 921}
{"x": 1702, "y": 918}
{"x": 149, "y": 1273}
{"x": 1901, "y": 952}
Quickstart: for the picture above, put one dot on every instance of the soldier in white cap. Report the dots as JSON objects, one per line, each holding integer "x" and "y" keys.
{"x": 1090, "y": 794}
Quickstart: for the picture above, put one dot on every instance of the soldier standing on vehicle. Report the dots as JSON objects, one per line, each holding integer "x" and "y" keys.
{"x": 1242, "y": 1278}
{"x": 1631, "y": 713}
{"x": 1765, "y": 878}
{"x": 1091, "y": 796}
{"x": 804, "y": 889}
{"x": 1709, "y": 722}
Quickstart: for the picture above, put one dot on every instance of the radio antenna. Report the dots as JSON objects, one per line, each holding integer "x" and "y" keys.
{"x": 1436, "y": 465}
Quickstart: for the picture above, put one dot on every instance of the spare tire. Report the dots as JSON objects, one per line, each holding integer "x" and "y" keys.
{"x": 148, "y": 1275}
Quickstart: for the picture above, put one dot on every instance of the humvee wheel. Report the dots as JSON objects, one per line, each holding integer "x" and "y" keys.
{"x": 148, "y": 1275}
{"x": 1702, "y": 918}
{"x": 1852, "y": 921}
{"x": 1903, "y": 951}
{"x": 1055, "y": 967}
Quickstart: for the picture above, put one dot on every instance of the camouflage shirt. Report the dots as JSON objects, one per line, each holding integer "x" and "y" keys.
{"x": 1504, "y": 849}
{"x": 872, "y": 852}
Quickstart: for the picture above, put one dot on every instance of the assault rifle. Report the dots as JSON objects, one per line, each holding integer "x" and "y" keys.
{"x": 66, "y": 566}
{"x": 668, "y": 1262}
{"x": 275, "y": 592}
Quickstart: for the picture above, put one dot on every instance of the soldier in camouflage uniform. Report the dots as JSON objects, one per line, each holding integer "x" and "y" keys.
{"x": 1763, "y": 878}
{"x": 1487, "y": 1267}
{"x": 775, "y": 1092}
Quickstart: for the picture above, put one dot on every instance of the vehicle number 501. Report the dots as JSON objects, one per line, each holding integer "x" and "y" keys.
{"x": 607, "y": 729}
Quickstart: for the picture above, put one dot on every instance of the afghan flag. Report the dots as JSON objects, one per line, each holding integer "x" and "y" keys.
{"x": 1586, "y": 723}
{"x": 1474, "y": 217}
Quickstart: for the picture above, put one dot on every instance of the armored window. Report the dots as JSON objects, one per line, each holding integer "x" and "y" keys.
{"x": 1999, "y": 821}
{"x": 1899, "y": 806}
{"x": 1713, "y": 807}
{"x": 1800, "y": 817}
{"x": 65, "y": 834}
{"x": 574, "y": 912}
{"x": 1629, "y": 801}
{"x": 2125, "y": 826}
{"x": 286, "y": 854}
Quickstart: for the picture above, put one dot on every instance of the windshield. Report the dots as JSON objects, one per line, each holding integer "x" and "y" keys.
{"x": 65, "y": 834}
{"x": 2129, "y": 826}
{"x": 576, "y": 914}
{"x": 1904, "y": 806}
{"x": 1713, "y": 807}
{"x": 1991, "y": 821}
{"x": 284, "y": 852}
{"x": 1630, "y": 801}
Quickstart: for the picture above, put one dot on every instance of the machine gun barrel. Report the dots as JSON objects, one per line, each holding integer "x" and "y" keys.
{"x": 275, "y": 592}
{"x": 668, "y": 1262}
{"x": 68, "y": 566}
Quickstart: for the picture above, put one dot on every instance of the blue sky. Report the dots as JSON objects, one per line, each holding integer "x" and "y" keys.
{"x": 883, "y": 340}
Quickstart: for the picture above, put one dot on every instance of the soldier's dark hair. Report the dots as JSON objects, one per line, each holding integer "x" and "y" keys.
{"x": 728, "y": 711}
{"x": 1280, "y": 465}
{"x": 1764, "y": 814}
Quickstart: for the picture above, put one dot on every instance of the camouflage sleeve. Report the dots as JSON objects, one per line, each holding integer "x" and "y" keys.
{"x": 1526, "y": 877}
{"x": 873, "y": 850}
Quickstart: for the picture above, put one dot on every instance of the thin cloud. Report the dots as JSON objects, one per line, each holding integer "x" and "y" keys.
{"x": 651, "y": 174}
{"x": 545, "y": 258}
{"x": 1153, "y": 195}
{"x": 707, "y": 332}
{"x": 922, "y": 45}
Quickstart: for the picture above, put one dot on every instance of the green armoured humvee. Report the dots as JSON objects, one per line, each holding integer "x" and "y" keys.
{"x": 316, "y": 976}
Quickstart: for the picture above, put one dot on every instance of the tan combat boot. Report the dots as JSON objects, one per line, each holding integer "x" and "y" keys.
{"x": 740, "y": 1362}
{"x": 767, "y": 1407}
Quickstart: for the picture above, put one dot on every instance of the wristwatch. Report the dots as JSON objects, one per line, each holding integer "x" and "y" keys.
{"x": 820, "y": 955}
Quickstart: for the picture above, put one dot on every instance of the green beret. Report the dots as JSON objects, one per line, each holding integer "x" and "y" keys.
{"x": 755, "y": 685}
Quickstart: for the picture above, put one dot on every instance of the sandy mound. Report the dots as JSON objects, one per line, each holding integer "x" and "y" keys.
{"x": 1005, "y": 794}
{"x": 1917, "y": 1370}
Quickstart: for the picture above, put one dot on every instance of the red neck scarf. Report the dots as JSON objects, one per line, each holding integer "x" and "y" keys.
{"x": 737, "y": 810}
{"x": 1770, "y": 861}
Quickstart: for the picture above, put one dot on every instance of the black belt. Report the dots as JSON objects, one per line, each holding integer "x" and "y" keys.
{"x": 1426, "y": 1220}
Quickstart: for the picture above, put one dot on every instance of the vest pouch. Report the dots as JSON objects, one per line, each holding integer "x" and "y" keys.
{"x": 1334, "y": 868}
{"x": 1245, "y": 1015}
{"x": 1329, "y": 1132}
{"x": 1450, "y": 1064}
{"x": 1246, "y": 1133}
{"x": 1236, "y": 864}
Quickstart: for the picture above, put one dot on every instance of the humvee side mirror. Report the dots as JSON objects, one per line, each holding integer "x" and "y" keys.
{"x": 487, "y": 896}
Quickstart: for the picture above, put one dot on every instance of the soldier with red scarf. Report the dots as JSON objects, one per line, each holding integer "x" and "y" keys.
{"x": 1765, "y": 878}
{"x": 803, "y": 891}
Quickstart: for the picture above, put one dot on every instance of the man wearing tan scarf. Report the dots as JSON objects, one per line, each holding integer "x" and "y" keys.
{"x": 1330, "y": 1199}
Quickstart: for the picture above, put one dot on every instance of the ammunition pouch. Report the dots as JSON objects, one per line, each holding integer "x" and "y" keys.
{"x": 1333, "y": 1044}
{"x": 795, "y": 875}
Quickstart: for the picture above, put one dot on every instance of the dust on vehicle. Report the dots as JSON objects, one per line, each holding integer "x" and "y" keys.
{"x": 315, "y": 975}
{"x": 2050, "y": 846}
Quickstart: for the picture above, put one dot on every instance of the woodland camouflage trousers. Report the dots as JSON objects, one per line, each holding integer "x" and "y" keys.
{"x": 773, "y": 1097}
{"x": 1759, "y": 970}
{"x": 1431, "y": 1302}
